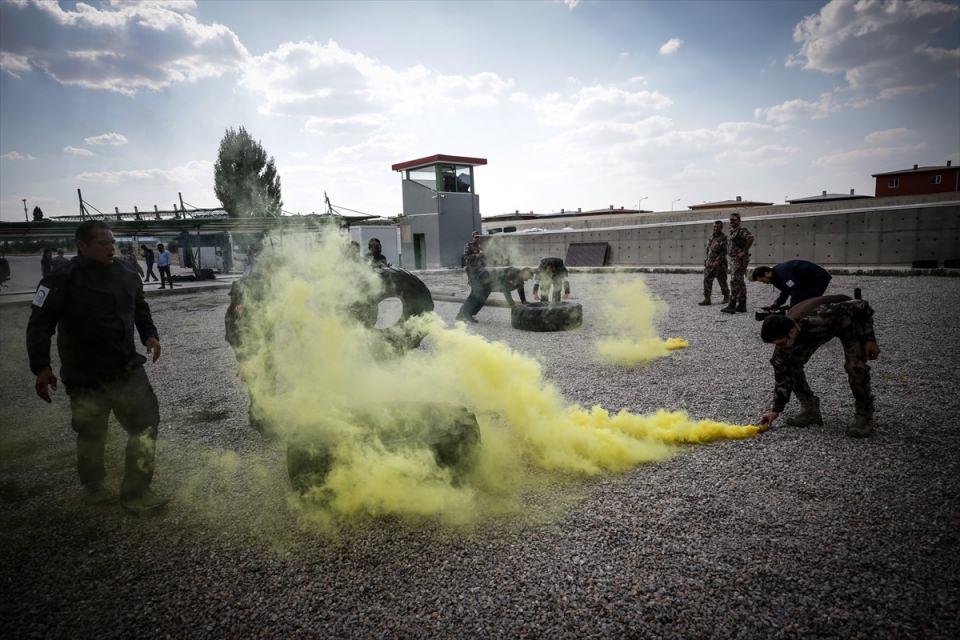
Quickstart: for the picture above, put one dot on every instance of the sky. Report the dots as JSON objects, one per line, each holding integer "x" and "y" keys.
{"x": 574, "y": 103}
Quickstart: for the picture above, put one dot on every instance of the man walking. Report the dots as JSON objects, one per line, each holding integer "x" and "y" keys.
{"x": 797, "y": 335}
{"x": 505, "y": 280}
{"x": 715, "y": 265}
{"x": 148, "y": 258}
{"x": 739, "y": 243}
{"x": 163, "y": 265}
{"x": 798, "y": 280}
{"x": 94, "y": 305}
{"x": 474, "y": 264}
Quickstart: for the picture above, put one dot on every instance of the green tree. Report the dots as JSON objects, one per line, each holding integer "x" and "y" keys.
{"x": 245, "y": 181}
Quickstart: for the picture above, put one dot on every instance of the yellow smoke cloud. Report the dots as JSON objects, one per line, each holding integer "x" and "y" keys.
{"x": 629, "y": 318}
{"x": 311, "y": 367}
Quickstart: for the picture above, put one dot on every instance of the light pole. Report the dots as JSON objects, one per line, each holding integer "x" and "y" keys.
{"x": 641, "y": 202}
{"x": 25, "y": 216}
{"x": 673, "y": 202}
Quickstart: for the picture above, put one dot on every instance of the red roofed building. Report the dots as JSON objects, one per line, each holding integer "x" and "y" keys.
{"x": 918, "y": 181}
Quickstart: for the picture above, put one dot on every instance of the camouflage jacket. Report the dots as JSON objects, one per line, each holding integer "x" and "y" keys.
{"x": 473, "y": 256}
{"x": 716, "y": 250}
{"x": 850, "y": 321}
{"x": 739, "y": 240}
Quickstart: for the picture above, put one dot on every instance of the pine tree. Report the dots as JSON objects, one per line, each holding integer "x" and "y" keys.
{"x": 245, "y": 181}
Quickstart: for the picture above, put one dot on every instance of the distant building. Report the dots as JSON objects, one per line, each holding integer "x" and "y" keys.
{"x": 828, "y": 197}
{"x": 497, "y": 223}
{"x": 918, "y": 181}
{"x": 440, "y": 209}
{"x": 729, "y": 204}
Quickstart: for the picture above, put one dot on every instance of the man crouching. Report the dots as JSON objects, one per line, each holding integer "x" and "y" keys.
{"x": 799, "y": 334}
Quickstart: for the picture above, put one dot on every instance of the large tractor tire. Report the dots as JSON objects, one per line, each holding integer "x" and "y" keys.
{"x": 451, "y": 433}
{"x": 547, "y": 316}
{"x": 415, "y": 300}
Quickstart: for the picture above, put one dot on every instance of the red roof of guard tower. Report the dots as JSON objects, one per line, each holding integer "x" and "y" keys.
{"x": 434, "y": 159}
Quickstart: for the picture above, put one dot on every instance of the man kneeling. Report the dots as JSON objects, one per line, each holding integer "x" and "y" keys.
{"x": 798, "y": 335}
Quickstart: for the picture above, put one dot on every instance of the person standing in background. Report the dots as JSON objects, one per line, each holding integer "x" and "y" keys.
{"x": 46, "y": 263}
{"x": 148, "y": 258}
{"x": 740, "y": 242}
{"x": 163, "y": 265}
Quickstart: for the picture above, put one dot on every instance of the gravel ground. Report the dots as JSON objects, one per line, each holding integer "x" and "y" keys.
{"x": 797, "y": 533}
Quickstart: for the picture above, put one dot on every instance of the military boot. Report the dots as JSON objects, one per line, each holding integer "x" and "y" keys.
{"x": 742, "y": 306}
{"x": 706, "y": 300}
{"x": 730, "y": 308}
{"x": 144, "y": 503}
{"x": 861, "y": 427}
{"x": 809, "y": 416}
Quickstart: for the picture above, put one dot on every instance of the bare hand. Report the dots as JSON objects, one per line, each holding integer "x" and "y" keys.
{"x": 766, "y": 420}
{"x": 566, "y": 296}
{"x": 153, "y": 346}
{"x": 45, "y": 379}
{"x": 872, "y": 350}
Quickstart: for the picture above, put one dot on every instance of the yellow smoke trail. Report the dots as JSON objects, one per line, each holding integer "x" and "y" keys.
{"x": 310, "y": 367}
{"x": 629, "y": 317}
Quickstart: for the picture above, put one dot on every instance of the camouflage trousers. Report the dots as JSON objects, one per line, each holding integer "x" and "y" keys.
{"x": 720, "y": 273}
{"x": 738, "y": 273}
{"x": 855, "y": 364}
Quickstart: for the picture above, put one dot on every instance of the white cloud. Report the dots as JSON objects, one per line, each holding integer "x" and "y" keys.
{"x": 671, "y": 46}
{"x": 879, "y": 45}
{"x": 112, "y": 138}
{"x": 309, "y": 79}
{"x": 571, "y": 4}
{"x": 361, "y": 123}
{"x": 798, "y": 109}
{"x": 13, "y": 64}
{"x": 122, "y": 47}
{"x": 888, "y": 136}
{"x": 597, "y": 103}
{"x": 77, "y": 151}
{"x": 195, "y": 171}
{"x": 766, "y": 155}
{"x": 866, "y": 159}
{"x": 300, "y": 155}
{"x": 16, "y": 155}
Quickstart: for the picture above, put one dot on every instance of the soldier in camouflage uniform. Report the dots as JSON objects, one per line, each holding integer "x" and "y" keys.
{"x": 715, "y": 265}
{"x": 799, "y": 334}
{"x": 473, "y": 260}
{"x": 739, "y": 250}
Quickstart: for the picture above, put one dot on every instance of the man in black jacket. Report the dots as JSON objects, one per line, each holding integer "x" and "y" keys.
{"x": 94, "y": 304}
{"x": 798, "y": 280}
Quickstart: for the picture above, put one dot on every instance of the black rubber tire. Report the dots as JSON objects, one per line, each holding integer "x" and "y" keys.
{"x": 451, "y": 432}
{"x": 414, "y": 297}
{"x": 547, "y": 316}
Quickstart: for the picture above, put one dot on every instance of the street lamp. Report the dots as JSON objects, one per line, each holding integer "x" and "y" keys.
{"x": 641, "y": 202}
{"x": 673, "y": 202}
{"x": 25, "y": 216}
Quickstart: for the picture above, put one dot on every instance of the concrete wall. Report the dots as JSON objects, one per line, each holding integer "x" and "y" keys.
{"x": 388, "y": 235}
{"x": 892, "y": 236}
{"x": 633, "y": 219}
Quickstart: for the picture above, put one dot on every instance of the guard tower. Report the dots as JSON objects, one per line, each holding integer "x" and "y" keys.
{"x": 441, "y": 209}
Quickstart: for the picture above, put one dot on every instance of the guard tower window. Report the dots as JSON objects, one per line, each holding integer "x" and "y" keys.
{"x": 427, "y": 176}
{"x": 455, "y": 178}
